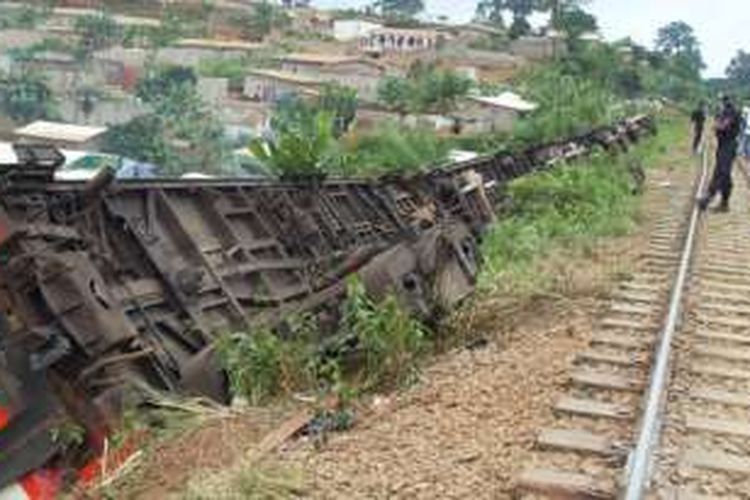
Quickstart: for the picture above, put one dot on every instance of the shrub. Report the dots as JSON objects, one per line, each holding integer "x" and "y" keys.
{"x": 260, "y": 365}
{"x": 393, "y": 149}
{"x": 567, "y": 205}
{"x": 388, "y": 337}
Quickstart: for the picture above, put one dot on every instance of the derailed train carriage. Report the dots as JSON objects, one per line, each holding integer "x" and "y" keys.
{"x": 109, "y": 285}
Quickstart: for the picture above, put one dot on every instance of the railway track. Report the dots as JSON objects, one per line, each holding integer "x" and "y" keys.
{"x": 705, "y": 448}
{"x": 687, "y": 301}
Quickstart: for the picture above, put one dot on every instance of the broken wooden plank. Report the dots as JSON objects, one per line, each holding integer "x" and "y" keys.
{"x": 593, "y": 408}
{"x": 281, "y": 434}
{"x": 562, "y": 484}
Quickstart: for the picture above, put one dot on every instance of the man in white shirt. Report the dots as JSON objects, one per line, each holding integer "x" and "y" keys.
{"x": 745, "y": 135}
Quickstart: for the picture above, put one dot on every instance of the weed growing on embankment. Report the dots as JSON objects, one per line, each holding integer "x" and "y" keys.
{"x": 384, "y": 339}
{"x": 567, "y": 207}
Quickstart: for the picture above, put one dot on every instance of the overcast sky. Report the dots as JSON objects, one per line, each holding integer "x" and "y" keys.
{"x": 722, "y": 26}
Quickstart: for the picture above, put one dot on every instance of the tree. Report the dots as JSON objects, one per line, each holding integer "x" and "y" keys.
{"x": 97, "y": 31}
{"x": 140, "y": 139}
{"x": 181, "y": 133}
{"x": 158, "y": 85}
{"x": 301, "y": 148}
{"x": 426, "y": 89}
{"x": 399, "y": 8}
{"x": 26, "y": 96}
{"x": 738, "y": 71}
{"x": 492, "y": 11}
{"x": 265, "y": 18}
{"x": 574, "y": 21}
{"x": 439, "y": 91}
{"x": 395, "y": 94}
{"x": 677, "y": 41}
{"x": 341, "y": 102}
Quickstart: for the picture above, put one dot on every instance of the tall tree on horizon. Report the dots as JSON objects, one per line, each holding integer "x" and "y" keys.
{"x": 520, "y": 10}
{"x": 738, "y": 72}
{"x": 678, "y": 42}
{"x": 399, "y": 8}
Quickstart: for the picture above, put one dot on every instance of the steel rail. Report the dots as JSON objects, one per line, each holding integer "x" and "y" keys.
{"x": 638, "y": 471}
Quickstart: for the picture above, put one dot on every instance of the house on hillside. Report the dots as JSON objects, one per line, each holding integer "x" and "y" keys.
{"x": 360, "y": 74}
{"x": 312, "y": 21}
{"x": 60, "y": 68}
{"x": 191, "y": 51}
{"x": 18, "y": 39}
{"x": 481, "y": 65}
{"x": 538, "y": 48}
{"x": 118, "y": 66}
{"x": 269, "y": 85}
{"x": 62, "y": 135}
{"x": 498, "y": 113}
{"x": 349, "y": 30}
{"x": 63, "y": 20}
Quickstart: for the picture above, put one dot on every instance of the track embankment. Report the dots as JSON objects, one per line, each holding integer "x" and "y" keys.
{"x": 570, "y": 364}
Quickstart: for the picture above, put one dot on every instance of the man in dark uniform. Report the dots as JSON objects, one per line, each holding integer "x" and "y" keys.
{"x": 698, "y": 117}
{"x": 727, "y": 126}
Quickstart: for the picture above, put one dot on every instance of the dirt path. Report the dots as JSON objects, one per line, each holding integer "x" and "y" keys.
{"x": 468, "y": 428}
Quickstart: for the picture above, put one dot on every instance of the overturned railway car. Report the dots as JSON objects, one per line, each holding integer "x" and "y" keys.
{"x": 108, "y": 285}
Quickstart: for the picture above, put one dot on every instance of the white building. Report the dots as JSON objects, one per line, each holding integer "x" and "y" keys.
{"x": 396, "y": 40}
{"x": 347, "y": 30}
{"x": 495, "y": 113}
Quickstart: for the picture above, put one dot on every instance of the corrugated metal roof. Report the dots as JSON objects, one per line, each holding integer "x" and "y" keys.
{"x": 55, "y": 131}
{"x": 287, "y": 76}
{"x": 508, "y": 100}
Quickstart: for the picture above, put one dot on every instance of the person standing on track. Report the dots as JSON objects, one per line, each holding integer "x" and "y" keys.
{"x": 698, "y": 117}
{"x": 727, "y": 126}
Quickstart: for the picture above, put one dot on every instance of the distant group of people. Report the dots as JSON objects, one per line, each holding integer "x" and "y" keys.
{"x": 732, "y": 129}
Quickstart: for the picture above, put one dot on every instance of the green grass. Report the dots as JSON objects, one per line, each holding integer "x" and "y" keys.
{"x": 567, "y": 207}
{"x": 262, "y": 366}
{"x": 392, "y": 149}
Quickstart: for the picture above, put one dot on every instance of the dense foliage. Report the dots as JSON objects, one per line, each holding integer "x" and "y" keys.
{"x": 299, "y": 146}
{"x": 426, "y": 89}
{"x": 25, "y": 96}
{"x": 262, "y": 21}
{"x": 738, "y": 74}
{"x": 180, "y": 134}
{"x": 97, "y": 31}
{"x": 393, "y": 149}
{"x": 398, "y": 8}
